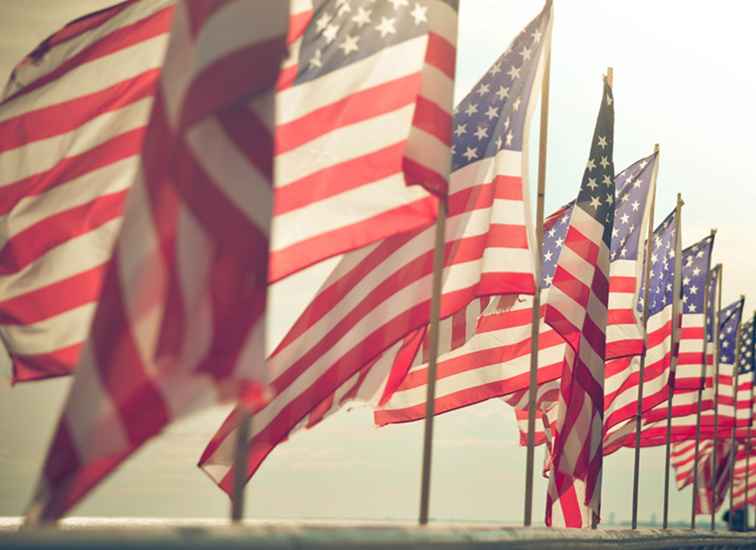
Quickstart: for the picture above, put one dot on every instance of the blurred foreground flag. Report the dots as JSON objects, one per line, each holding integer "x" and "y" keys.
{"x": 180, "y": 323}
{"x": 577, "y": 308}
{"x": 72, "y": 123}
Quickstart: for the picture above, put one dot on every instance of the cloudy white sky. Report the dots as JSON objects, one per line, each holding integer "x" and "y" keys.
{"x": 683, "y": 78}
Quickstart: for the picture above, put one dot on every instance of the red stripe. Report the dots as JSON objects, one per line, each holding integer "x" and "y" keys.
{"x": 433, "y": 119}
{"x": 622, "y": 284}
{"x": 41, "y": 366}
{"x": 441, "y": 54}
{"x": 28, "y": 246}
{"x": 621, "y": 316}
{"x": 68, "y": 116}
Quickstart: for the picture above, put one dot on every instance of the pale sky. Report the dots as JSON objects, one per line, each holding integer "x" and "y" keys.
{"x": 683, "y": 78}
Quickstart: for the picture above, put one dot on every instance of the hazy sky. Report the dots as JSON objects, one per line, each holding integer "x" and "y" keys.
{"x": 683, "y": 78}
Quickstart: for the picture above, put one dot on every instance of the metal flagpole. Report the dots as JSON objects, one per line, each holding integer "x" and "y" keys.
{"x": 673, "y": 363}
{"x": 641, "y": 371}
{"x": 700, "y": 397}
{"x": 716, "y": 393}
{"x": 536, "y": 309}
{"x": 430, "y": 396}
{"x": 240, "y": 465}
{"x": 733, "y": 442}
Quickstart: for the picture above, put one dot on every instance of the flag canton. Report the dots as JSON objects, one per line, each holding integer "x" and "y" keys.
{"x": 695, "y": 268}
{"x": 596, "y": 195}
{"x": 746, "y": 357}
{"x": 492, "y": 116}
{"x": 342, "y": 32}
{"x": 729, "y": 320}
{"x": 662, "y": 273}
{"x": 631, "y": 192}
{"x": 711, "y": 307}
{"x": 554, "y": 231}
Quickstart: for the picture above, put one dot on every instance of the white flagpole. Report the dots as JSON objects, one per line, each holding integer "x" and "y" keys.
{"x": 430, "y": 397}
{"x": 700, "y": 397}
{"x": 241, "y": 462}
{"x": 673, "y": 363}
{"x": 641, "y": 372}
{"x": 536, "y": 309}
{"x": 715, "y": 435}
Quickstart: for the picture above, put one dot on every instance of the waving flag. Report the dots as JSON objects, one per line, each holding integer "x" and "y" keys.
{"x": 576, "y": 307}
{"x": 363, "y": 109}
{"x": 180, "y": 322}
{"x": 381, "y": 294}
{"x": 71, "y": 128}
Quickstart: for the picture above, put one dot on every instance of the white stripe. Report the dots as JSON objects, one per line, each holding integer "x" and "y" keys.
{"x": 62, "y": 330}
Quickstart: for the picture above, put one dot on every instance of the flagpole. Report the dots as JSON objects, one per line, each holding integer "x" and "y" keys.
{"x": 733, "y": 442}
{"x": 535, "y": 322}
{"x": 673, "y": 363}
{"x": 641, "y": 371}
{"x": 700, "y": 397}
{"x": 715, "y": 337}
{"x": 241, "y": 462}
{"x": 430, "y": 396}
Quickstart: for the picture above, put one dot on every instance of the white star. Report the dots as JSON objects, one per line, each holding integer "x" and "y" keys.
{"x": 525, "y": 53}
{"x": 344, "y": 7}
{"x": 537, "y": 36}
{"x": 516, "y": 104}
{"x": 592, "y": 183}
{"x": 481, "y": 133}
{"x": 386, "y": 26}
{"x": 495, "y": 69}
{"x": 330, "y": 33}
{"x": 420, "y": 13}
{"x": 595, "y": 202}
{"x": 498, "y": 142}
{"x": 514, "y": 72}
{"x": 492, "y": 112}
{"x": 686, "y": 281}
{"x": 609, "y": 99}
{"x": 624, "y": 252}
{"x": 694, "y": 290}
{"x": 552, "y": 232}
{"x": 472, "y": 108}
{"x": 322, "y": 22}
{"x": 509, "y": 137}
{"x": 506, "y": 124}
{"x": 502, "y": 92}
{"x": 548, "y": 255}
{"x": 604, "y": 162}
{"x": 483, "y": 89}
{"x": 643, "y": 164}
{"x": 637, "y": 184}
{"x": 349, "y": 44}
{"x": 602, "y": 142}
{"x": 696, "y": 272}
{"x": 610, "y": 200}
{"x": 398, "y": 3}
{"x": 460, "y": 129}
{"x": 615, "y": 233}
{"x": 606, "y": 180}
{"x": 635, "y": 206}
{"x": 470, "y": 154}
{"x": 362, "y": 17}
{"x": 548, "y": 279}
{"x": 559, "y": 242}
{"x": 316, "y": 62}
{"x": 591, "y": 165}
{"x": 625, "y": 218}
{"x": 692, "y": 308}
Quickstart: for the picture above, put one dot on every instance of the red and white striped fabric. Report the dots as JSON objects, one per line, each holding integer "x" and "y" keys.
{"x": 744, "y": 482}
{"x": 381, "y": 294}
{"x": 577, "y": 308}
{"x": 71, "y": 129}
{"x": 690, "y": 357}
{"x": 352, "y": 138}
{"x": 711, "y": 495}
{"x": 180, "y": 322}
{"x": 683, "y": 459}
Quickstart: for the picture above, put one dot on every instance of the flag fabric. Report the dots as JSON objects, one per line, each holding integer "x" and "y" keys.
{"x": 72, "y": 123}
{"x": 745, "y": 368}
{"x": 576, "y": 307}
{"x": 381, "y": 294}
{"x": 363, "y": 111}
{"x": 180, "y": 322}
{"x": 623, "y": 375}
{"x": 714, "y": 479}
{"x": 744, "y": 487}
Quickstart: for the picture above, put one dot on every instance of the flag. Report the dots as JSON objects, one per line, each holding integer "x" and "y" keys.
{"x": 381, "y": 294}
{"x": 623, "y": 375}
{"x": 180, "y": 323}
{"x": 363, "y": 112}
{"x": 576, "y": 307}
{"x": 72, "y": 124}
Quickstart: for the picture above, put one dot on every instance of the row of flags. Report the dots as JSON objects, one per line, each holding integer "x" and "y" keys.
{"x": 157, "y": 182}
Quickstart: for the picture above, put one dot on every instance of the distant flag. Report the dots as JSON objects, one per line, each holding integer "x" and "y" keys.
{"x": 72, "y": 123}
{"x": 381, "y": 294}
{"x": 363, "y": 114}
{"x": 576, "y": 307}
{"x": 180, "y": 323}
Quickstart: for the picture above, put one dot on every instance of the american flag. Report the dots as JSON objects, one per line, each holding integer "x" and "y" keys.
{"x": 576, "y": 307}
{"x": 747, "y": 362}
{"x": 363, "y": 109}
{"x": 496, "y": 361}
{"x": 714, "y": 478}
{"x": 381, "y": 294}
{"x": 622, "y": 375}
{"x": 744, "y": 489}
{"x": 180, "y": 322}
{"x": 71, "y": 128}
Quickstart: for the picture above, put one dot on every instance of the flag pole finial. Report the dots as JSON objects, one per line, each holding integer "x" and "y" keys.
{"x": 610, "y": 76}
